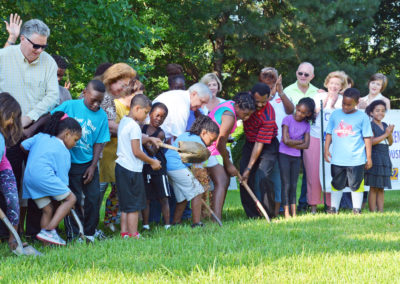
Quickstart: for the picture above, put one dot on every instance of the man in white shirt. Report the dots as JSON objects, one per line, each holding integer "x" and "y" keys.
{"x": 179, "y": 104}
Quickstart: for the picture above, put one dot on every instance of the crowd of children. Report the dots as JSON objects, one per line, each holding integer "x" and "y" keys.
{"x": 63, "y": 156}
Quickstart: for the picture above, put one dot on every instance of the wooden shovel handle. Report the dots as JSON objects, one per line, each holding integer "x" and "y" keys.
{"x": 258, "y": 204}
{"x": 163, "y": 145}
{"x": 212, "y": 213}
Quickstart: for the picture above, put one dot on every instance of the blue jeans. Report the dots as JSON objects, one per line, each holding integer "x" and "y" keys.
{"x": 276, "y": 179}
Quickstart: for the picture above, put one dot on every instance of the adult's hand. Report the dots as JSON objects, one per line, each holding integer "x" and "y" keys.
{"x": 67, "y": 84}
{"x": 13, "y": 27}
{"x": 26, "y": 121}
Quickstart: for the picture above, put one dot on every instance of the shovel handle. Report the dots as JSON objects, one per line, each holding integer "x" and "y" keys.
{"x": 11, "y": 228}
{"x": 163, "y": 145}
{"x": 212, "y": 213}
{"x": 258, "y": 204}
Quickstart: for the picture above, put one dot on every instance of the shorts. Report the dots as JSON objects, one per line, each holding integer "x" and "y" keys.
{"x": 44, "y": 201}
{"x": 157, "y": 187}
{"x": 215, "y": 160}
{"x": 130, "y": 190}
{"x": 347, "y": 176}
{"x": 185, "y": 185}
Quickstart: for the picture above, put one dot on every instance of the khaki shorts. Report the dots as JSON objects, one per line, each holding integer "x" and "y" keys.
{"x": 44, "y": 201}
{"x": 186, "y": 186}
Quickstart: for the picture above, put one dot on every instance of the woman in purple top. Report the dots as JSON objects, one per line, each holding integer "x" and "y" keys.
{"x": 295, "y": 137}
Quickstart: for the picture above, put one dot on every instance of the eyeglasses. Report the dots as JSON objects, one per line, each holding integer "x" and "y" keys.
{"x": 302, "y": 73}
{"x": 37, "y": 46}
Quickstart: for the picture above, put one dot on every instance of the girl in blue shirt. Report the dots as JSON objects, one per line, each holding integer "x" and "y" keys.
{"x": 46, "y": 172}
{"x": 186, "y": 186}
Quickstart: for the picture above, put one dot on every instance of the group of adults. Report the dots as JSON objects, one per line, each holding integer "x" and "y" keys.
{"x": 29, "y": 74}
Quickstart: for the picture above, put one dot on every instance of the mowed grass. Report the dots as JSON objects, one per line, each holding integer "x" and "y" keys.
{"x": 311, "y": 248}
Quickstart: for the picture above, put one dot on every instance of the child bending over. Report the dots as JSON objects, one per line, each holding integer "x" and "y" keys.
{"x": 10, "y": 134}
{"x": 129, "y": 165}
{"x": 46, "y": 172}
{"x": 186, "y": 186}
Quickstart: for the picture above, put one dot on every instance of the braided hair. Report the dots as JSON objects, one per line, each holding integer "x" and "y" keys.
{"x": 59, "y": 122}
{"x": 204, "y": 122}
{"x": 310, "y": 105}
{"x": 245, "y": 101}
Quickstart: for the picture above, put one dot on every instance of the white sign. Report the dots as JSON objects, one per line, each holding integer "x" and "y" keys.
{"x": 391, "y": 117}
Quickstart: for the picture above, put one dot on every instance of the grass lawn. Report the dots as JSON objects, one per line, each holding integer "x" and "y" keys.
{"x": 311, "y": 248}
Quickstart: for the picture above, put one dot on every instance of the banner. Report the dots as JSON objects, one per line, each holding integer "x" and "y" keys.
{"x": 391, "y": 117}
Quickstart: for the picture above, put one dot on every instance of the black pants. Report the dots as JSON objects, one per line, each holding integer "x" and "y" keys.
{"x": 289, "y": 167}
{"x": 260, "y": 178}
{"x": 89, "y": 213}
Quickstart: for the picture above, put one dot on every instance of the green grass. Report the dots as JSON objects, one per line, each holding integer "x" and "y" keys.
{"x": 311, "y": 248}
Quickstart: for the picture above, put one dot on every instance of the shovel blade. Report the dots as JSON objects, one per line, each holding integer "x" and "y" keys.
{"x": 193, "y": 152}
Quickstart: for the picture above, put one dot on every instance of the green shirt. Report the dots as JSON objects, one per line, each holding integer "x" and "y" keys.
{"x": 293, "y": 92}
{"x": 34, "y": 85}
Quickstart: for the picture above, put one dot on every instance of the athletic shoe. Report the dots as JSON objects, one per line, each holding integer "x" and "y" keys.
{"x": 166, "y": 227}
{"x": 146, "y": 227}
{"x": 136, "y": 236}
{"x": 356, "y": 211}
{"x": 50, "y": 237}
{"x": 126, "y": 235}
{"x": 197, "y": 225}
{"x": 90, "y": 239}
{"x": 99, "y": 234}
{"x": 331, "y": 210}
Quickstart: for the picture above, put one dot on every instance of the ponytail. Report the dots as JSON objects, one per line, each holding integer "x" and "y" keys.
{"x": 59, "y": 122}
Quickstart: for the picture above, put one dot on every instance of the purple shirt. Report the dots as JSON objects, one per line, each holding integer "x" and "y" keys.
{"x": 296, "y": 132}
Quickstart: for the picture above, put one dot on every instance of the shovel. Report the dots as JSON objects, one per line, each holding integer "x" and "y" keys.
{"x": 258, "y": 203}
{"x": 79, "y": 223}
{"x": 212, "y": 213}
{"x": 190, "y": 151}
{"x": 20, "y": 249}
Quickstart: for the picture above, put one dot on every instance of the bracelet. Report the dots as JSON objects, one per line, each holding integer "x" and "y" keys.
{"x": 249, "y": 169}
{"x": 10, "y": 43}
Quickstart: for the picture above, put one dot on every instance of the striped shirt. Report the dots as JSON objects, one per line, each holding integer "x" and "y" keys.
{"x": 34, "y": 85}
{"x": 261, "y": 126}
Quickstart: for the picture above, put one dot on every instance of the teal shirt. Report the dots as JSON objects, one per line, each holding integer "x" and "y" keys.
{"x": 296, "y": 94}
{"x": 94, "y": 129}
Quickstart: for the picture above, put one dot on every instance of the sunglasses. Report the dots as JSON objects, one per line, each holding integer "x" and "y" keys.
{"x": 302, "y": 73}
{"x": 37, "y": 46}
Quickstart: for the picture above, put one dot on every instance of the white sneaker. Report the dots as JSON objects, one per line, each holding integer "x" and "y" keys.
{"x": 146, "y": 227}
{"x": 50, "y": 237}
{"x": 166, "y": 227}
{"x": 90, "y": 239}
{"x": 99, "y": 234}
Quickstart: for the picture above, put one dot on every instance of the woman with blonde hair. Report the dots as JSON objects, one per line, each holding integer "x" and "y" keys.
{"x": 335, "y": 82}
{"x": 212, "y": 81}
{"x": 118, "y": 81}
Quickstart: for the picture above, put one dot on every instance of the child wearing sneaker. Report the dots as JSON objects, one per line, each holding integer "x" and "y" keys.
{"x": 186, "y": 187}
{"x": 156, "y": 182}
{"x": 349, "y": 131}
{"x": 84, "y": 174}
{"x": 46, "y": 172}
{"x": 129, "y": 165}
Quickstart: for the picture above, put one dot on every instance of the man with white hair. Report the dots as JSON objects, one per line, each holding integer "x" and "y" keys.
{"x": 29, "y": 74}
{"x": 302, "y": 88}
{"x": 179, "y": 104}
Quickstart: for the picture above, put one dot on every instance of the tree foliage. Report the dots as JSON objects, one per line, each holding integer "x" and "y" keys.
{"x": 232, "y": 38}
